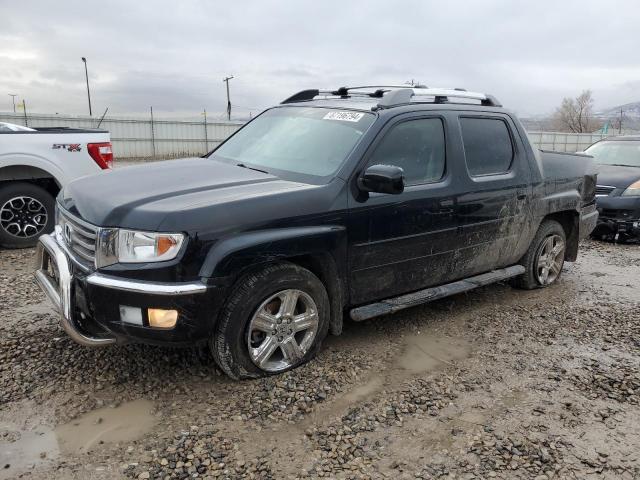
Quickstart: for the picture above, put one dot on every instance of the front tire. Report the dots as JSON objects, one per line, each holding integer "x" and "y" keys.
{"x": 26, "y": 212}
{"x": 274, "y": 320}
{"x": 544, "y": 259}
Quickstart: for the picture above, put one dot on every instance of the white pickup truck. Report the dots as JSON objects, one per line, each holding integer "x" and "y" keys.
{"x": 35, "y": 163}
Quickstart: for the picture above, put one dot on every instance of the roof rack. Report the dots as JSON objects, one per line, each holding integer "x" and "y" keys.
{"x": 306, "y": 95}
{"x": 395, "y": 95}
{"x": 440, "y": 95}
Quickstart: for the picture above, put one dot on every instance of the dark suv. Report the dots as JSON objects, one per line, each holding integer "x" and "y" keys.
{"x": 361, "y": 200}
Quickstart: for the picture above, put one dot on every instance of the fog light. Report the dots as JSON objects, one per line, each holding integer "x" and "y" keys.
{"x": 131, "y": 315}
{"x": 159, "y": 318}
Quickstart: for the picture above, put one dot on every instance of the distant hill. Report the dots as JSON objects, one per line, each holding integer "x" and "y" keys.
{"x": 629, "y": 110}
{"x": 610, "y": 116}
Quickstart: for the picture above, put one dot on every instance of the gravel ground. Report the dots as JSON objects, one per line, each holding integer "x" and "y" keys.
{"x": 497, "y": 383}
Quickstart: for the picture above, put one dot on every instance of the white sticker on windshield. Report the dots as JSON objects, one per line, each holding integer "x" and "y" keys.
{"x": 344, "y": 116}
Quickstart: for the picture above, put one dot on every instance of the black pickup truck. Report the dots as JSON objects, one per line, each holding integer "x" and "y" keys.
{"x": 360, "y": 200}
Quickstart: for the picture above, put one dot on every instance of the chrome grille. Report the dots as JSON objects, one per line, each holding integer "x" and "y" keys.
{"x": 604, "y": 190}
{"x": 79, "y": 236}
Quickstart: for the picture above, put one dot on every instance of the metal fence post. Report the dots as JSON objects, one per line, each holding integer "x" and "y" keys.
{"x": 206, "y": 135}
{"x": 24, "y": 109}
{"x": 153, "y": 137}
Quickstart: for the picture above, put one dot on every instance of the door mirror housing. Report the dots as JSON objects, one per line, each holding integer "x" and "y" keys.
{"x": 382, "y": 179}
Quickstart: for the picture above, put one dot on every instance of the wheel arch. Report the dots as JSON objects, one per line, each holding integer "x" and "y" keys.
{"x": 323, "y": 266}
{"x": 569, "y": 220}
{"x": 31, "y": 174}
{"x": 321, "y": 250}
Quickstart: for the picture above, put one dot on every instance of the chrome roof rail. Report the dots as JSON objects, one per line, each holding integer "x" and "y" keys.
{"x": 394, "y": 95}
{"x": 440, "y": 95}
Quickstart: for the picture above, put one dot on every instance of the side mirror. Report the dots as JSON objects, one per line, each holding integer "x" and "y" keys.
{"x": 382, "y": 179}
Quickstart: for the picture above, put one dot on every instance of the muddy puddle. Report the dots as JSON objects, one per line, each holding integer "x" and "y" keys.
{"x": 425, "y": 352}
{"x": 422, "y": 352}
{"x": 617, "y": 280}
{"x": 22, "y": 449}
{"x": 106, "y": 425}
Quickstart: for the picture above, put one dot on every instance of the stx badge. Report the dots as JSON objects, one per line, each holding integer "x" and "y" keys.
{"x": 72, "y": 147}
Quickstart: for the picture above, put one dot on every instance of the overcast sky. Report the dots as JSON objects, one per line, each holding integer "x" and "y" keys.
{"x": 174, "y": 54}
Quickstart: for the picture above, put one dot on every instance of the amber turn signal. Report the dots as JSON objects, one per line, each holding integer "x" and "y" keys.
{"x": 164, "y": 243}
{"x": 159, "y": 318}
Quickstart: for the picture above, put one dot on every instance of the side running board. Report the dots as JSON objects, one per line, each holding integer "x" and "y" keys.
{"x": 393, "y": 305}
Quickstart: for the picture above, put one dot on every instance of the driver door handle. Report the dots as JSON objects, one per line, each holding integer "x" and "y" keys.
{"x": 446, "y": 206}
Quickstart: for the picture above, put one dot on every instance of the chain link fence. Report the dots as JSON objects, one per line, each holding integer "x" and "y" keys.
{"x": 148, "y": 138}
{"x": 136, "y": 138}
{"x": 564, "y": 142}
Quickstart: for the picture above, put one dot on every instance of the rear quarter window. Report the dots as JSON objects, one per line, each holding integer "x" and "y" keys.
{"x": 487, "y": 145}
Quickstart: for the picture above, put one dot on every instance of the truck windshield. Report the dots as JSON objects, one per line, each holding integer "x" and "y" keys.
{"x": 623, "y": 152}
{"x": 303, "y": 140}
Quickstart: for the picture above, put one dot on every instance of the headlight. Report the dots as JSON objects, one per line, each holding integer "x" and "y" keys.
{"x": 632, "y": 190}
{"x": 134, "y": 247}
{"x": 129, "y": 246}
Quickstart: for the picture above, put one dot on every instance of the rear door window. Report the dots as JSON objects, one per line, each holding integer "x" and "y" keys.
{"x": 487, "y": 144}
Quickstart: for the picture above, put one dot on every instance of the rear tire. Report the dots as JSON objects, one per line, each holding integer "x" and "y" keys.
{"x": 26, "y": 212}
{"x": 544, "y": 259}
{"x": 274, "y": 320}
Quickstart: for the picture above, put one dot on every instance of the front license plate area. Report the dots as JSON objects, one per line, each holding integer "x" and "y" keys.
{"x": 50, "y": 267}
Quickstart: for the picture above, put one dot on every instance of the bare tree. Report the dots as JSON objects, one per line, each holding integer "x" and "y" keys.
{"x": 576, "y": 114}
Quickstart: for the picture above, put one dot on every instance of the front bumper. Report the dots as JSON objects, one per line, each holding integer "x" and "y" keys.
{"x": 612, "y": 226}
{"x": 90, "y": 303}
{"x": 618, "y": 215}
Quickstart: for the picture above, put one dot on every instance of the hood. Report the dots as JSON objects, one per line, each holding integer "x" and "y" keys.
{"x": 164, "y": 196}
{"x": 615, "y": 176}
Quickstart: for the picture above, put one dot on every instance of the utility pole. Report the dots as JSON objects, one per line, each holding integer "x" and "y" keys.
{"x": 620, "y": 126}
{"x": 226, "y": 80}
{"x": 13, "y": 100}
{"x": 86, "y": 75}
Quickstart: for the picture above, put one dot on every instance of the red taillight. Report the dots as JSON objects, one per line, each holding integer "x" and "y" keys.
{"x": 101, "y": 154}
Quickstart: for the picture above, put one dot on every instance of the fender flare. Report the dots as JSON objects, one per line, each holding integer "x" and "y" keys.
{"x": 561, "y": 202}
{"x": 565, "y": 208}
{"x": 326, "y": 245}
{"x": 231, "y": 255}
{"x": 17, "y": 161}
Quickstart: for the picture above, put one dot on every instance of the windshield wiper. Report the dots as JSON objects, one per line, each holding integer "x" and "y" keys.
{"x": 622, "y": 165}
{"x": 251, "y": 168}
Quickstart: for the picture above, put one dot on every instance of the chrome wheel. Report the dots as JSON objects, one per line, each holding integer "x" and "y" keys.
{"x": 282, "y": 330}
{"x": 550, "y": 260}
{"x": 23, "y": 217}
